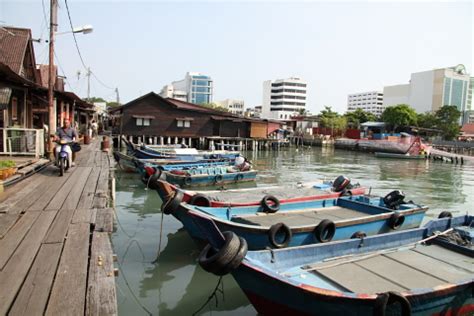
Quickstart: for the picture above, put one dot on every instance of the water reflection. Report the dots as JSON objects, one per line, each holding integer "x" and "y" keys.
{"x": 176, "y": 285}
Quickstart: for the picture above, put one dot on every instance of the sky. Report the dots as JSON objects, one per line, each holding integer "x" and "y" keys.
{"x": 336, "y": 47}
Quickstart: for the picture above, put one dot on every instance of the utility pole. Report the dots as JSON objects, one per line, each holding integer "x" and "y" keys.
{"x": 52, "y": 76}
{"x": 88, "y": 74}
{"x": 117, "y": 96}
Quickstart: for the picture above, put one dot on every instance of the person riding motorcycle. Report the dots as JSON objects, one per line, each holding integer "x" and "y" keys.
{"x": 66, "y": 132}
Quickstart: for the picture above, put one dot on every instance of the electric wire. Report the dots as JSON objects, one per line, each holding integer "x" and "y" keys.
{"x": 74, "y": 36}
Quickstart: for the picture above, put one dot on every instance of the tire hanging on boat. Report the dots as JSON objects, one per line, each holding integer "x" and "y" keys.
{"x": 227, "y": 258}
{"x": 383, "y": 300}
{"x": 325, "y": 231}
{"x": 188, "y": 180}
{"x": 359, "y": 234}
{"x": 239, "y": 177}
{"x": 396, "y": 221}
{"x": 172, "y": 204}
{"x": 152, "y": 182}
{"x": 445, "y": 214}
{"x": 270, "y": 204}
{"x": 218, "y": 178}
{"x": 200, "y": 200}
{"x": 279, "y": 228}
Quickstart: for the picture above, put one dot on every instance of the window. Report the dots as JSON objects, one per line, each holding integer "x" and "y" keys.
{"x": 183, "y": 123}
{"x": 140, "y": 121}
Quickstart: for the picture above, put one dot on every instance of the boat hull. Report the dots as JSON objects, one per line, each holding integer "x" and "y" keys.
{"x": 258, "y": 236}
{"x": 398, "y": 156}
{"x": 209, "y": 180}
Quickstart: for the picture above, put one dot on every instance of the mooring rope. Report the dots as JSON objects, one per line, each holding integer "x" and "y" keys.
{"x": 161, "y": 235}
{"x": 213, "y": 295}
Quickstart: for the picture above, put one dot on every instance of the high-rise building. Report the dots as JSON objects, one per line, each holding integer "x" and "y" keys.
{"x": 283, "y": 98}
{"x": 371, "y": 102}
{"x": 194, "y": 88}
{"x": 234, "y": 106}
{"x": 429, "y": 90}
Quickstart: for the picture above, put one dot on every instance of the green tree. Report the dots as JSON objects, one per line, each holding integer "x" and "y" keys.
{"x": 401, "y": 115}
{"x": 113, "y": 104}
{"x": 448, "y": 121}
{"x": 94, "y": 99}
{"x": 331, "y": 119}
{"x": 427, "y": 120}
{"x": 214, "y": 106}
{"x": 358, "y": 117}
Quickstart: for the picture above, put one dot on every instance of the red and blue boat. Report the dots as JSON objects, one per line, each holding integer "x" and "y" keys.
{"x": 276, "y": 225}
{"x": 423, "y": 271}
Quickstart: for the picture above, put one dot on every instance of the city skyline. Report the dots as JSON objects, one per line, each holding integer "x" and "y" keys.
{"x": 338, "y": 48}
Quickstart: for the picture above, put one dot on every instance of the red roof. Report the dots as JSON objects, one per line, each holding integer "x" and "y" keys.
{"x": 468, "y": 129}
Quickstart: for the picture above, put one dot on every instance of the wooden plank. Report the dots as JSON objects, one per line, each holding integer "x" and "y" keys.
{"x": 63, "y": 193}
{"x": 431, "y": 266}
{"x": 399, "y": 273}
{"x": 104, "y": 220}
{"x": 68, "y": 294}
{"x": 75, "y": 194}
{"x": 358, "y": 280}
{"x": 14, "y": 273}
{"x": 6, "y": 223}
{"x": 101, "y": 295}
{"x": 34, "y": 293}
{"x": 82, "y": 215}
{"x": 14, "y": 236}
{"x": 53, "y": 184}
{"x": 87, "y": 196}
{"x": 58, "y": 230}
{"x": 447, "y": 256}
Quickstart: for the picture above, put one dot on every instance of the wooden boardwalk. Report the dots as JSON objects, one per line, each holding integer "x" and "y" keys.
{"x": 55, "y": 251}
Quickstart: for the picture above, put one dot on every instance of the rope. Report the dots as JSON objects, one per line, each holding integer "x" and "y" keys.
{"x": 161, "y": 235}
{"x": 213, "y": 295}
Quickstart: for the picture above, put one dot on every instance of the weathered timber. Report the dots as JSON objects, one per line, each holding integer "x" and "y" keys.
{"x": 104, "y": 220}
{"x": 14, "y": 273}
{"x": 101, "y": 295}
{"x": 35, "y": 291}
{"x": 87, "y": 196}
{"x": 71, "y": 276}
{"x": 15, "y": 235}
{"x": 6, "y": 222}
{"x": 58, "y": 230}
{"x": 75, "y": 194}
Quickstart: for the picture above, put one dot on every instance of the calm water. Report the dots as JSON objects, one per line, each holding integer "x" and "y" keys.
{"x": 175, "y": 285}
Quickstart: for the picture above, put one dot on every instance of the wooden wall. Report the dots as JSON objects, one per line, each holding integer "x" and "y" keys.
{"x": 258, "y": 130}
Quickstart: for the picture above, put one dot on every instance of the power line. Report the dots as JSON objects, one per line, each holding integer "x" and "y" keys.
{"x": 74, "y": 35}
{"x": 103, "y": 84}
{"x": 62, "y": 70}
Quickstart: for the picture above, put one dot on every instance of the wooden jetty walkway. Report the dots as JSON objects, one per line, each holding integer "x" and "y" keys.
{"x": 55, "y": 251}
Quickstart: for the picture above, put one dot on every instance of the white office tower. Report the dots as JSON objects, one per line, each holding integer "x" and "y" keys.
{"x": 371, "y": 102}
{"x": 283, "y": 98}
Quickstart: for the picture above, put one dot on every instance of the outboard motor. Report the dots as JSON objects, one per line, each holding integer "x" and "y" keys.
{"x": 394, "y": 199}
{"x": 340, "y": 183}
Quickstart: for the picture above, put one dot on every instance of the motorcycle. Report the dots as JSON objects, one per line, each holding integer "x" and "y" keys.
{"x": 63, "y": 155}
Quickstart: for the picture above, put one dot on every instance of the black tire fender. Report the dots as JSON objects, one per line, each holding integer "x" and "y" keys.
{"x": 237, "y": 260}
{"x": 396, "y": 220}
{"x": 445, "y": 214}
{"x": 359, "y": 234}
{"x": 218, "y": 178}
{"x": 274, "y": 230}
{"x": 152, "y": 181}
{"x": 188, "y": 180}
{"x": 216, "y": 262}
{"x": 389, "y": 298}
{"x": 200, "y": 200}
{"x": 171, "y": 205}
{"x": 269, "y": 207}
{"x": 239, "y": 177}
{"x": 325, "y": 231}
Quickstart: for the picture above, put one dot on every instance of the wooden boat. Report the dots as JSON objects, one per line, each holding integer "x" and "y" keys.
{"x": 398, "y": 156}
{"x": 209, "y": 176}
{"x": 415, "y": 272}
{"x": 299, "y": 192}
{"x": 302, "y": 223}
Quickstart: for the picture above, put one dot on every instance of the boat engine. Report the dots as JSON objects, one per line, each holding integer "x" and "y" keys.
{"x": 340, "y": 183}
{"x": 394, "y": 199}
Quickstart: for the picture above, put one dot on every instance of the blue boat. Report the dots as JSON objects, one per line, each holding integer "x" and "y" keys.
{"x": 424, "y": 271}
{"x": 209, "y": 176}
{"x": 301, "y": 223}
